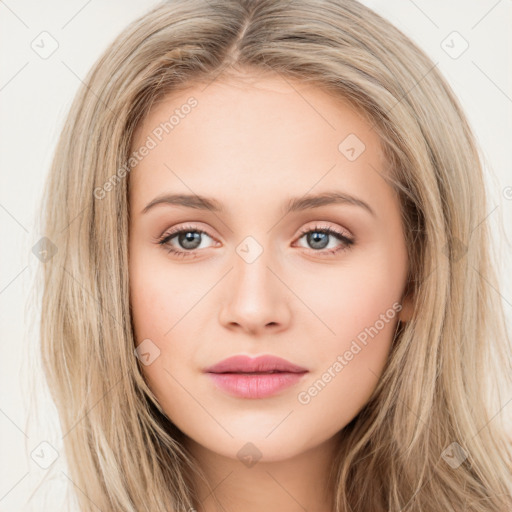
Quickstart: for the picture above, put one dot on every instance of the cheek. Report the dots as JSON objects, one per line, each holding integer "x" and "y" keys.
{"x": 353, "y": 297}
{"x": 349, "y": 363}
{"x": 158, "y": 297}
{"x": 162, "y": 308}
{"x": 157, "y": 310}
{"x": 358, "y": 307}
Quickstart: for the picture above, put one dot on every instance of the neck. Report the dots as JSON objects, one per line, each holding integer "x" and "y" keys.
{"x": 294, "y": 484}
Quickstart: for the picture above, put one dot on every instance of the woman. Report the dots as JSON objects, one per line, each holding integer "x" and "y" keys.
{"x": 332, "y": 341}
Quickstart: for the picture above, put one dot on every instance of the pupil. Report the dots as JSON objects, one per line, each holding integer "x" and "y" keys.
{"x": 317, "y": 239}
{"x": 187, "y": 240}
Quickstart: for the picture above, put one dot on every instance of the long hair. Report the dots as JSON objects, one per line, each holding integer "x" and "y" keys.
{"x": 439, "y": 398}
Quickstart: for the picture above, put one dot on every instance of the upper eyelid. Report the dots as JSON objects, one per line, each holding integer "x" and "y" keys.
{"x": 342, "y": 231}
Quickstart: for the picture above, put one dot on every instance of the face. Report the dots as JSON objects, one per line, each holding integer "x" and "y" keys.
{"x": 261, "y": 225}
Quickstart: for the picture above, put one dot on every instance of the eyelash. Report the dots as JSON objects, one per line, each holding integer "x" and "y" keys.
{"x": 168, "y": 236}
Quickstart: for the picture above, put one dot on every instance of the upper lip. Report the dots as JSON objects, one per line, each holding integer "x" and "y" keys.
{"x": 246, "y": 364}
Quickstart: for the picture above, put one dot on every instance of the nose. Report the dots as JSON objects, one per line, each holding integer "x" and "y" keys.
{"x": 255, "y": 298}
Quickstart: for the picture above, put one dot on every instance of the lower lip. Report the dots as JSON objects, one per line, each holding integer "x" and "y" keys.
{"x": 260, "y": 385}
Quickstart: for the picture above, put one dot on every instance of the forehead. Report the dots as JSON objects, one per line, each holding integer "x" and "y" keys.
{"x": 256, "y": 101}
{"x": 255, "y": 133}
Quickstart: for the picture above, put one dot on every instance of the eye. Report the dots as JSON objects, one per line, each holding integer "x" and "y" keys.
{"x": 188, "y": 238}
{"x": 319, "y": 238}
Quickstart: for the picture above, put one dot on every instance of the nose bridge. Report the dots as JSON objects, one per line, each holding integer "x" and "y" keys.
{"x": 252, "y": 278}
{"x": 255, "y": 297}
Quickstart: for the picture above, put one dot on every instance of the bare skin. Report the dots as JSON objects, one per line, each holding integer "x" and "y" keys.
{"x": 252, "y": 144}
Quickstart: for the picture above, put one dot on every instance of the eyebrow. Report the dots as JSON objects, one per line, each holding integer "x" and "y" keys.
{"x": 293, "y": 205}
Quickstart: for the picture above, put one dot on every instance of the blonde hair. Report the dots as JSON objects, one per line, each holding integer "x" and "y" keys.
{"x": 449, "y": 364}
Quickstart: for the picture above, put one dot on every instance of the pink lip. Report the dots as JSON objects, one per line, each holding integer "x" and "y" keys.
{"x": 246, "y": 364}
{"x": 246, "y": 377}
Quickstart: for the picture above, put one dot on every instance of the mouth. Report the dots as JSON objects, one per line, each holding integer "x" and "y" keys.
{"x": 262, "y": 364}
{"x": 255, "y": 384}
{"x": 263, "y": 377}
{"x": 253, "y": 373}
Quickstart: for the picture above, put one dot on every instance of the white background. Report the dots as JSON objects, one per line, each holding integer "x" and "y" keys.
{"x": 35, "y": 94}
